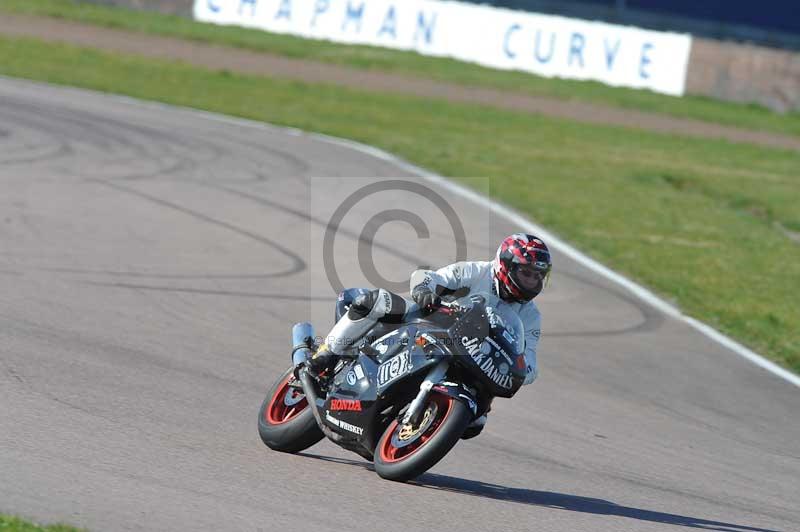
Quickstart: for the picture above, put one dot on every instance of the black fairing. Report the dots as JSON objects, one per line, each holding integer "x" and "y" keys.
{"x": 372, "y": 386}
{"x": 489, "y": 347}
{"x": 366, "y": 396}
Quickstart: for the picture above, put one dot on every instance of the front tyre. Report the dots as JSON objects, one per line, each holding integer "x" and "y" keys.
{"x": 405, "y": 452}
{"x": 285, "y": 420}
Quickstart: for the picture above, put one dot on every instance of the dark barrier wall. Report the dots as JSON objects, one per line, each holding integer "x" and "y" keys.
{"x": 741, "y": 72}
{"x": 750, "y": 69}
{"x": 770, "y": 22}
{"x": 768, "y": 14}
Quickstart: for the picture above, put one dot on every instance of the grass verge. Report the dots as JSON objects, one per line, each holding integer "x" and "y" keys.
{"x": 411, "y": 64}
{"x": 706, "y": 223}
{"x": 15, "y": 524}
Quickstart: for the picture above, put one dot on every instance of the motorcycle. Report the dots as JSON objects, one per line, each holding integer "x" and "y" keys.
{"x": 404, "y": 395}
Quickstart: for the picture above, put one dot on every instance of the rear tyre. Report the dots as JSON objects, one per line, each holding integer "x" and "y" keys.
{"x": 285, "y": 420}
{"x": 405, "y": 452}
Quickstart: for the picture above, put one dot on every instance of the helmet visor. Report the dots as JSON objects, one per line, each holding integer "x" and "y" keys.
{"x": 531, "y": 277}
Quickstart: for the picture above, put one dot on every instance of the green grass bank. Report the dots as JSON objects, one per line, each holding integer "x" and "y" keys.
{"x": 10, "y": 523}
{"x": 708, "y": 224}
{"x": 411, "y": 64}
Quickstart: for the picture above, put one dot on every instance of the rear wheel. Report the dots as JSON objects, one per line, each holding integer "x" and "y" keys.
{"x": 405, "y": 451}
{"x": 285, "y": 420}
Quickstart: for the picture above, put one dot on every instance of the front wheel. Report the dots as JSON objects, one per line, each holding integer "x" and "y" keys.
{"x": 285, "y": 420}
{"x": 405, "y": 452}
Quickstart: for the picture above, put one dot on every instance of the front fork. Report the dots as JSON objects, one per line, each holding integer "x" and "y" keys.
{"x": 417, "y": 406}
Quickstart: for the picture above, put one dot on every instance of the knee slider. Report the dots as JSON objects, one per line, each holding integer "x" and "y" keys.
{"x": 362, "y": 305}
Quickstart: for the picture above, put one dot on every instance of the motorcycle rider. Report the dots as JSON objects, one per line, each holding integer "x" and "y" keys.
{"x": 517, "y": 274}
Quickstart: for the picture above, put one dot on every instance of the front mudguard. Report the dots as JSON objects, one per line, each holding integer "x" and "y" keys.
{"x": 458, "y": 392}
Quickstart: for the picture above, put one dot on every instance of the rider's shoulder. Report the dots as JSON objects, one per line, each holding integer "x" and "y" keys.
{"x": 530, "y": 310}
{"x": 469, "y": 264}
{"x": 476, "y": 267}
{"x": 468, "y": 268}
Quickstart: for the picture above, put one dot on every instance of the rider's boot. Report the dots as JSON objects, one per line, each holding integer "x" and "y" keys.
{"x": 321, "y": 361}
{"x": 474, "y": 428}
{"x": 344, "y": 334}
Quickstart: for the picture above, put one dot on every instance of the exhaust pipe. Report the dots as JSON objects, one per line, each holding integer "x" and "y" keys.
{"x": 302, "y": 342}
{"x": 311, "y": 396}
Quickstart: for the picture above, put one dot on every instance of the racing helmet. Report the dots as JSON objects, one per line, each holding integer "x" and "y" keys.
{"x": 521, "y": 267}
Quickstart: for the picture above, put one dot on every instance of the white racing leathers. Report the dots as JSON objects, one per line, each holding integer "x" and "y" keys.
{"x": 478, "y": 277}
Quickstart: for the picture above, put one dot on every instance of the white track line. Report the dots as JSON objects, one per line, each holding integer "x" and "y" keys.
{"x": 501, "y": 210}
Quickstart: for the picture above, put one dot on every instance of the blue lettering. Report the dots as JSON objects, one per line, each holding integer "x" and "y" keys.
{"x": 646, "y": 47}
{"x": 284, "y": 10}
{"x": 539, "y": 57}
{"x": 611, "y": 55}
{"x": 320, "y": 7}
{"x": 576, "y": 48}
{"x": 353, "y": 14}
{"x": 212, "y": 6}
{"x": 389, "y": 24}
{"x": 511, "y": 29}
{"x": 425, "y": 27}
{"x": 251, "y": 3}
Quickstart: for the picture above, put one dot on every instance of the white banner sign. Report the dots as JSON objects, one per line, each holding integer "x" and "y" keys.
{"x": 500, "y": 38}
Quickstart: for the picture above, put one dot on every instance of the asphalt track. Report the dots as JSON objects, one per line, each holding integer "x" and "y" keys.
{"x": 152, "y": 262}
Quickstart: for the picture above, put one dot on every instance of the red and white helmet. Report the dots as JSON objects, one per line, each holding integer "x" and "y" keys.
{"x": 521, "y": 267}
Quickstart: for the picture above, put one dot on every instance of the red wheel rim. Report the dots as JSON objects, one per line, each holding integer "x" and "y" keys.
{"x": 390, "y": 453}
{"x": 286, "y": 404}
